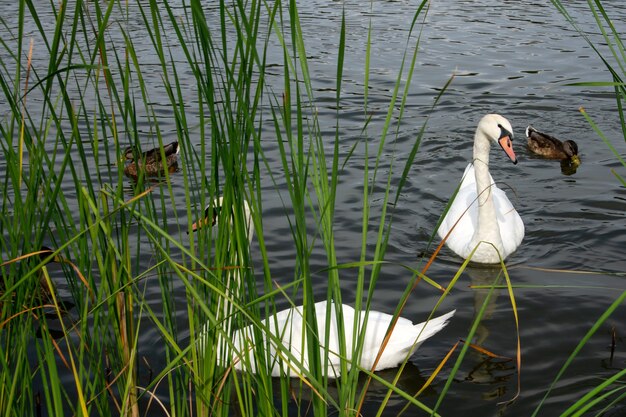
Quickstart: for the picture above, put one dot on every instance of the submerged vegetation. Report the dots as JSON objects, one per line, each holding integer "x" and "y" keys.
{"x": 78, "y": 89}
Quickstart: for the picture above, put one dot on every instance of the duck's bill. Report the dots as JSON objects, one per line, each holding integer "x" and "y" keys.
{"x": 575, "y": 160}
{"x": 507, "y": 146}
{"x": 199, "y": 224}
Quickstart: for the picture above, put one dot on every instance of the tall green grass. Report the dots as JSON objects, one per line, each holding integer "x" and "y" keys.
{"x": 88, "y": 93}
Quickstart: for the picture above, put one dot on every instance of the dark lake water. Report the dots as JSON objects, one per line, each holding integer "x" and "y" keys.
{"x": 514, "y": 58}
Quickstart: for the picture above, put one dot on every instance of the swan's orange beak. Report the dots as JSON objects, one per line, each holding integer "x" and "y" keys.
{"x": 507, "y": 146}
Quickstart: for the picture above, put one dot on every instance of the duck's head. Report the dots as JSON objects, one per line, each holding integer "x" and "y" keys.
{"x": 130, "y": 152}
{"x": 45, "y": 252}
{"x": 571, "y": 149}
{"x": 171, "y": 148}
{"x": 498, "y": 129}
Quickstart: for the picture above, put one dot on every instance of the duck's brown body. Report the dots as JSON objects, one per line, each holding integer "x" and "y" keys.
{"x": 151, "y": 163}
{"x": 550, "y": 147}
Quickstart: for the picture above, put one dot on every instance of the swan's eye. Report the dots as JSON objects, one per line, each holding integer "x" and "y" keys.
{"x": 505, "y": 132}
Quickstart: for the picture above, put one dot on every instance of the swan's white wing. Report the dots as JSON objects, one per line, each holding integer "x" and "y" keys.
{"x": 332, "y": 345}
{"x": 509, "y": 221}
{"x": 377, "y": 324}
{"x": 288, "y": 326}
{"x": 464, "y": 208}
{"x": 404, "y": 340}
{"x": 398, "y": 347}
{"x": 429, "y": 328}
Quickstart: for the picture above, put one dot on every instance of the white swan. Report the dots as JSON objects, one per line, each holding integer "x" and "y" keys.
{"x": 486, "y": 218}
{"x": 287, "y": 328}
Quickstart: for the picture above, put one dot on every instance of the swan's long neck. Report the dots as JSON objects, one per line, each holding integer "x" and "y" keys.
{"x": 233, "y": 278}
{"x": 487, "y": 228}
{"x": 481, "y": 169}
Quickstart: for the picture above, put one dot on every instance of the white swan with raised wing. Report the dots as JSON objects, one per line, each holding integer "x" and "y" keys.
{"x": 288, "y": 329}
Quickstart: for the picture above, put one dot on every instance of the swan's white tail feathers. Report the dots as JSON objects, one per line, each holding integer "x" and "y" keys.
{"x": 433, "y": 326}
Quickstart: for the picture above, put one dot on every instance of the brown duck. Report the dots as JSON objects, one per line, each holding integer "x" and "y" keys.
{"x": 151, "y": 163}
{"x": 550, "y": 147}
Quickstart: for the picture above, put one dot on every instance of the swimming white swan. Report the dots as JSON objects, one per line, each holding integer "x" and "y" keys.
{"x": 486, "y": 218}
{"x": 287, "y": 328}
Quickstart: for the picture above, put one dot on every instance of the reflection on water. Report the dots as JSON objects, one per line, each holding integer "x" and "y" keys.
{"x": 498, "y": 374}
{"x": 410, "y": 381}
{"x": 569, "y": 166}
{"x": 484, "y": 299}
